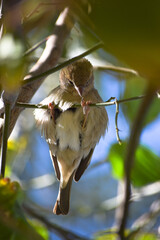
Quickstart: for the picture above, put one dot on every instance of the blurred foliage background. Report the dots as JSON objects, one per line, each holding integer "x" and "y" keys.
{"x": 131, "y": 36}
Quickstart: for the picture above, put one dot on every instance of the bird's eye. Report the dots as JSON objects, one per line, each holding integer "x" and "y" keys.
{"x": 70, "y": 82}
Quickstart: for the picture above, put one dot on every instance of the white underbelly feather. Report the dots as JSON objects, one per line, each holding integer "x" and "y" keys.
{"x": 68, "y": 131}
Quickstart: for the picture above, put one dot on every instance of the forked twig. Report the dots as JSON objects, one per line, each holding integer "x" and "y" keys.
{"x": 116, "y": 121}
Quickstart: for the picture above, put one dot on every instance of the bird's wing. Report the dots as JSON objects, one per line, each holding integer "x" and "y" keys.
{"x": 65, "y": 100}
{"x": 96, "y": 122}
{"x": 83, "y": 165}
{"x": 44, "y": 119}
{"x": 55, "y": 165}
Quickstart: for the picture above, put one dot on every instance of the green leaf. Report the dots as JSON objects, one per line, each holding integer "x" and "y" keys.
{"x": 107, "y": 236}
{"x": 116, "y": 156}
{"x": 146, "y": 167}
{"x": 144, "y": 236}
{"x": 9, "y": 193}
{"x": 42, "y": 230}
{"x": 138, "y": 236}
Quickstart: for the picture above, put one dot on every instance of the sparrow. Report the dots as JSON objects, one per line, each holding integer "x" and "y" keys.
{"x": 72, "y": 132}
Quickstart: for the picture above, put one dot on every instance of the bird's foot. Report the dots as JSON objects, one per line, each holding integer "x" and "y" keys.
{"x": 85, "y": 106}
{"x": 86, "y": 110}
{"x": 51, "y": 110}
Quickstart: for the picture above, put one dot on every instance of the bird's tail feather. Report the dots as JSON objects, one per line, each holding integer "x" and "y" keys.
{"x": 62, "y": 204}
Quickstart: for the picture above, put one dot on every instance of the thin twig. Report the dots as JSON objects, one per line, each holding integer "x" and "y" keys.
{"x": 65, "y": 234}
{"x": 5, "y": 138}
{"x": 35, "y": 10}
{"x": 33, "y": 48}
{"x": 1, "y": 7}
{"x": 132, "y": 145}
{"x": 116, "y": 122}
{"x": 30, "y": 105}
{"x": 1, "y": 14}
{"x": 116, "y": 102}
{"x": 107, "y": 103}
{"x": 97, "y": 164}
{"x": 116, "y": 69}
{"x": 62, "y": 65}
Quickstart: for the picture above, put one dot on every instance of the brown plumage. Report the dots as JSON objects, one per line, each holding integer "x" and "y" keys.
{"x": 72, "y": 133}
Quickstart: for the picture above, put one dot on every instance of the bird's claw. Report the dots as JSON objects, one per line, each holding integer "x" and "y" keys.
{"x": 86, "y": 109}
{"x": 51, "y": 109}
{"x": 85, "y": 106}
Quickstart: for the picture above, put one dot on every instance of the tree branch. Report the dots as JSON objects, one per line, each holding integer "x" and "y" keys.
{"x": 116, "y": 122}
{"x": 64, "y": 64}
{"x": 116, "y": 69}
{"x": 106, "y": 103}
{"x": 1, "y": 22}
{"x": 132, "y": 145}
{"x": 5, "y": 139}
{"x": 48, "y": 59}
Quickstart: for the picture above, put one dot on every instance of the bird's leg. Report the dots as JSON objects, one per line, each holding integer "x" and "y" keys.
{"x": 51, "y": 109}
{"x": 86, "y": 109}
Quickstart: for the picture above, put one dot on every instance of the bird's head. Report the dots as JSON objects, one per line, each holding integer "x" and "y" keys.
{"x": 77, "y": 77}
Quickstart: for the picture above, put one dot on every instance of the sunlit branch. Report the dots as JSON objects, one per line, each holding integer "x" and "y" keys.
{"x": 49, "y": 57}
{"x": 116, "y": 69}
{"x": 62, "y": 65}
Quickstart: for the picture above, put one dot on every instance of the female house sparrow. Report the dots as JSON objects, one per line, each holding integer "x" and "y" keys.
{"x": 72, "y": 133}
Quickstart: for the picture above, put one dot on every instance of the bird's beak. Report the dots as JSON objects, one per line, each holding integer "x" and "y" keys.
{"x": 80, "y": 90}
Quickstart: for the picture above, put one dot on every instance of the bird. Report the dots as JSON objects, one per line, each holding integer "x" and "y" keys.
{"x": 72, "y": 132}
